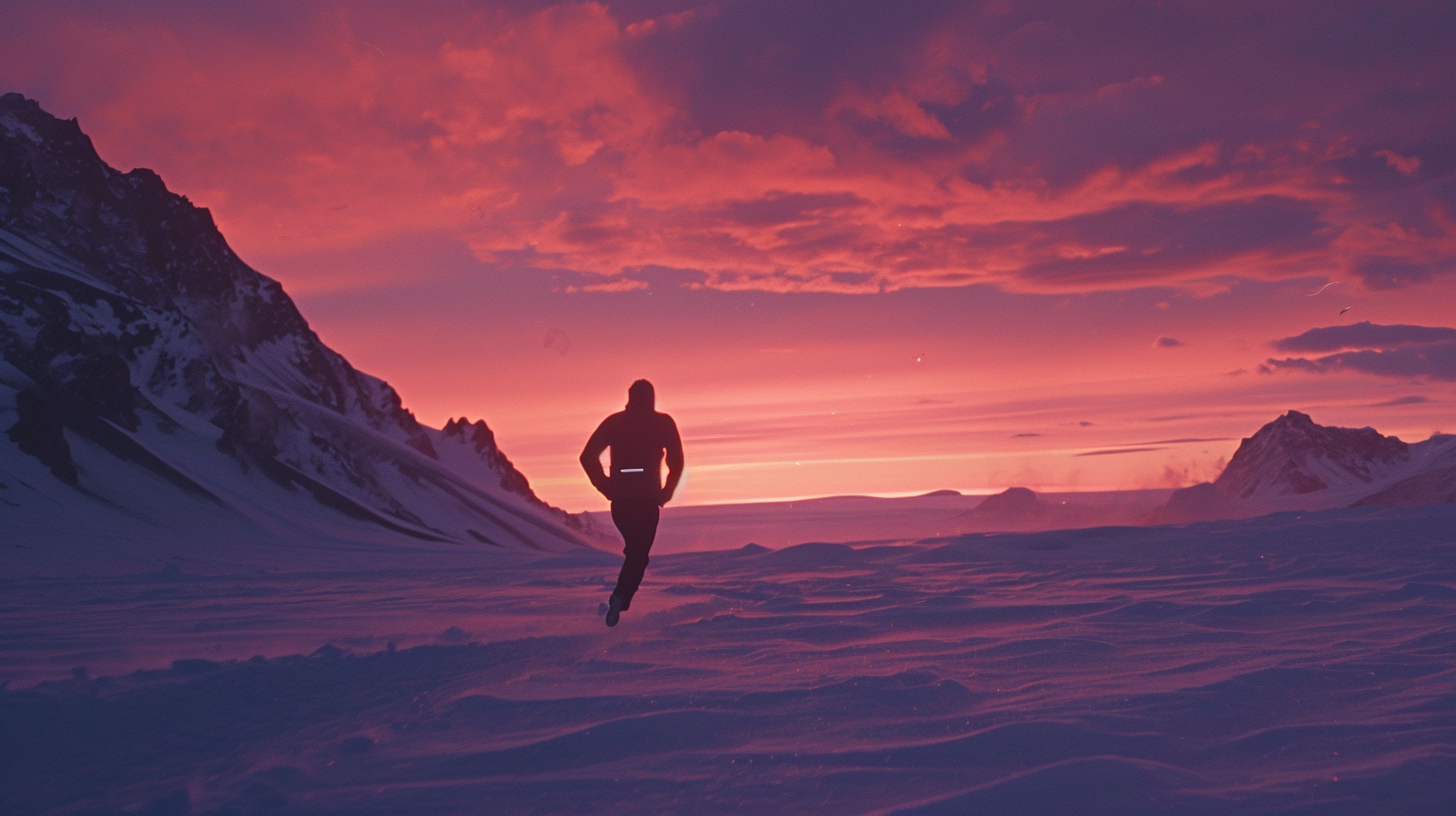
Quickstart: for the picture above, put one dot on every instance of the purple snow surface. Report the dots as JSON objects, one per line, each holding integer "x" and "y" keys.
{"x": 1299, "y": 663}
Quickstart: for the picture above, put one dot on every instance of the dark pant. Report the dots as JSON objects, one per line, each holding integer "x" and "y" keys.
{"x": 636, "y": 519}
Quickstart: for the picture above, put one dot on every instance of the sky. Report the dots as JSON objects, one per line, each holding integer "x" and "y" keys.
{"x": 871, "y": 248}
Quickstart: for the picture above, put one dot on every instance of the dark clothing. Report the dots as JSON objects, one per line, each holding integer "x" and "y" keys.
{"x": 640, "y": 439}
{"x": 636, "y": 519}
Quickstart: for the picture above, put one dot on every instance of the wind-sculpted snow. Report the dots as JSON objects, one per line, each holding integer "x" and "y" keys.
{"x": 1293, "y": 664}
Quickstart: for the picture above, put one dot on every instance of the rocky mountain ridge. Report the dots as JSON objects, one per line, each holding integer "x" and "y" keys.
{"x": 1293, "y": 463}
{"x": 129, "y": 329}
{"x": 1293, "y": 456}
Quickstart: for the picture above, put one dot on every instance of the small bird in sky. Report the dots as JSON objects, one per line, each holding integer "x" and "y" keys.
{"x": 1346, "y": 309}
{"x": 919, "y": 357}
{"x": 1322, "y": 288}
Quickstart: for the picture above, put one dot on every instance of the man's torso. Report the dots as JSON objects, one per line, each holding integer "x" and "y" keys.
{"x": 638, "y": 442}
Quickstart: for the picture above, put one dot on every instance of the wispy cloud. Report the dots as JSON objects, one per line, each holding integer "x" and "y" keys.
{"x": 1364, "y": 335}
{"x": 1411, "y": 400}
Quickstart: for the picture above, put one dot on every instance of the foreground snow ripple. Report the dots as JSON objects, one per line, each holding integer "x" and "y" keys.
{"x": 1292, "y": 664}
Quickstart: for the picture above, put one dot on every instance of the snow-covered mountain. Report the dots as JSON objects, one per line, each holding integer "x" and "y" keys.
{"x": 1294, "y": 464}
{"x": 1292, "y": 456}
{"x": 1433, "y": 482}
{"x": 155, "y": 388}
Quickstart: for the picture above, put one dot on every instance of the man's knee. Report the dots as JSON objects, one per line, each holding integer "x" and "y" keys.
{"x": 636, "y": 560}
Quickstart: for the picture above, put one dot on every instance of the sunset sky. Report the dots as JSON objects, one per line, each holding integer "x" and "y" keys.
{"x": 878, "y": 248}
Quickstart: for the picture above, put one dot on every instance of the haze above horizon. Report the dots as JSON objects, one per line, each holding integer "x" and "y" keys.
{"x": 859, "y": 248}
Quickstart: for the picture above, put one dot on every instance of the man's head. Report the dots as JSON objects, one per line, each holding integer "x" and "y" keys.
{"x": 641, "y": 397}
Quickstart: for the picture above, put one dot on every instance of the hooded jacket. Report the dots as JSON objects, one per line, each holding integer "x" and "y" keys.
{"x": 640, "y": 438}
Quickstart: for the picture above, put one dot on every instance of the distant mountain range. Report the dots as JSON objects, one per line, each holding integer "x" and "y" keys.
{"x": 155, "y": 388}
{"x": 1289, "y": 464}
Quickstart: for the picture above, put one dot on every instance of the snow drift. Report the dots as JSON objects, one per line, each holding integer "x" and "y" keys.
{"x": 1291, "y": 664}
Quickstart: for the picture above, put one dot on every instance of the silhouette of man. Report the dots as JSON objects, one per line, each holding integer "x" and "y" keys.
{"x": 639, "y": 438}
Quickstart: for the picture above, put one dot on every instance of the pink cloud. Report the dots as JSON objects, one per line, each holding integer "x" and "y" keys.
{"x": 767, "y": 149}
{"x": 1405, "y": 165}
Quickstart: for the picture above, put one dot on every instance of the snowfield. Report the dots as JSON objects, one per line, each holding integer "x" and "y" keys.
{"x": 1296, "y": 664}
{"x": 238, "y": 576}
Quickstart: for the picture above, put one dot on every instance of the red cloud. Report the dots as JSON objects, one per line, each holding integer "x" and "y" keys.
{"x": 1068, "y": 154}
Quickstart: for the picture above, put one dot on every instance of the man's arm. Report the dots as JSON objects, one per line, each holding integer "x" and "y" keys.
{"x": 673, "y": 445}
{"x": 591, "y": 459}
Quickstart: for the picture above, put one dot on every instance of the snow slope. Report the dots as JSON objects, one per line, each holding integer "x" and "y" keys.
{"x": 153, "y": 385}
{"x": 1291, "y": 664}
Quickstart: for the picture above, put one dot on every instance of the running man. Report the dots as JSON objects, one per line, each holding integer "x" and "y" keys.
{"x": 639, "y": 437}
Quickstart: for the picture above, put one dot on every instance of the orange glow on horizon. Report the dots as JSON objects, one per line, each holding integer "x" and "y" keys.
{"x": 965, "y": 254}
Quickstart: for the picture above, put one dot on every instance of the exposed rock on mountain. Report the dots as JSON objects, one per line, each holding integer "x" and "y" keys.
{"x": 479, "y": 441}
{"x": 1434, "y": 483}
{"x": 1293, "y": 456}
{"x": 136, "y": 346}
{"x": 1294, "y": 464}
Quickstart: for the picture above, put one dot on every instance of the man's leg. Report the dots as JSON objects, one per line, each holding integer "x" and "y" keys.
{"x": 637, "y": 522}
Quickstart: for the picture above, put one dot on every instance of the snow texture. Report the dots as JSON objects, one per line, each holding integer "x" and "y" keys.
{"x": 156, "y": 390}
{"x": 1292, "y": 664}
{"x": 364, "y": 615}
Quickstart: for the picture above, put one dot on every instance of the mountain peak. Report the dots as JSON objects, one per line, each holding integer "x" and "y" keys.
{"x": 479, "y": 438}
{"x": 19, "y": 101}
{"x": 1293, "y": 419}
{"x": 27, "y": 111}
{"x": 477, "y": 432}
{"x": 1293, "y": 455}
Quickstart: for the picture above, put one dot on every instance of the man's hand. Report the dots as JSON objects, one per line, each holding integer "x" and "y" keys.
{"x": 664, "y": 496}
